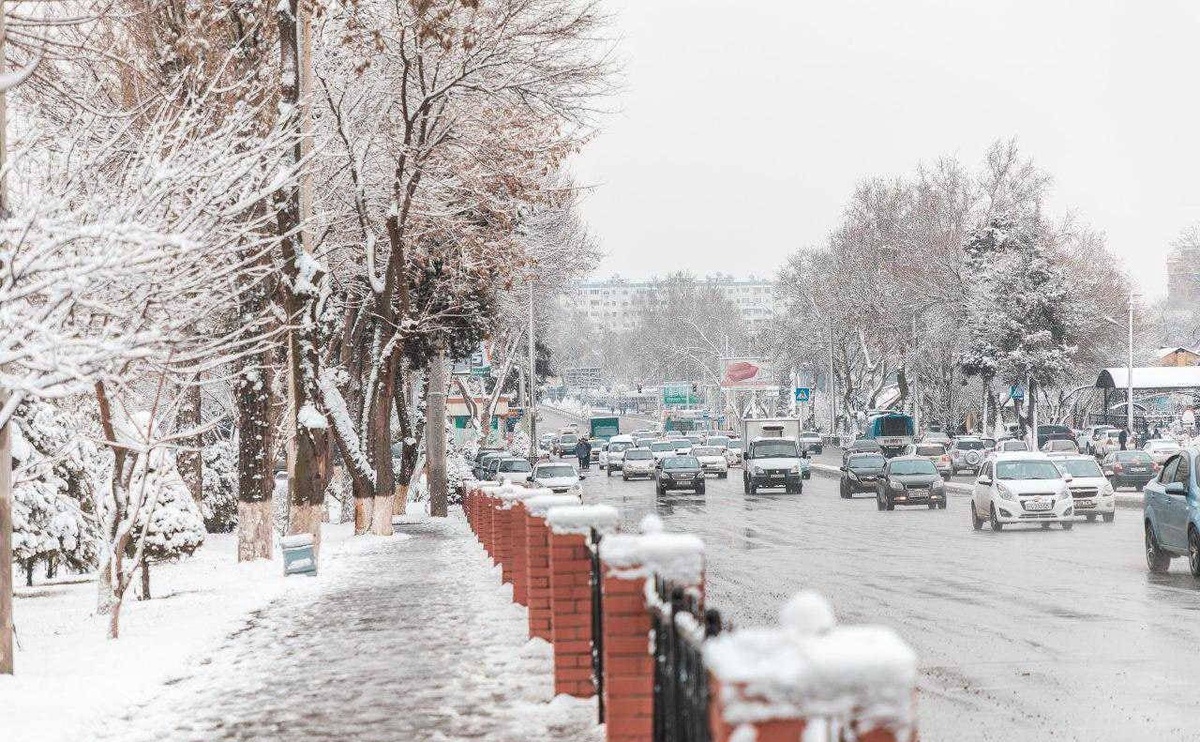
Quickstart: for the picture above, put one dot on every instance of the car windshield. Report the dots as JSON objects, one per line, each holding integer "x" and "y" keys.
{"x": 810, "y": 434}
{"x": 618, "y": 447}
{"x": 681, "y": 462}
{"x": 660, "y": 446}
{"x": 1081, "y": 468}
{"x": 914, "y": 466}
{"x": 515, "y": 465}
{"x": 735, "y": 445}
{"x": 867, "y": 461}
{"x": 1061, "y": 445}
{"x": 717, "y": 440}
{"x": 1162, "y": 446}
{"x": 707, "y": 451}
{"x": 638, "y": 454}
{"x": 1134, "y": 457}
{"x": 552, "y": 472}
{"x": 1028, "y": 469}
{"x": 931, "y": 449}
{"x": 568, "y": 440}
{"x": 1014, "y": 446}
{"x": 970, "y": 445}
{"x": 774, "y": 449}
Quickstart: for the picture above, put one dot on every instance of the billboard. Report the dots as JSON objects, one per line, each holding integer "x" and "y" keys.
{"x": 747, "y": 373}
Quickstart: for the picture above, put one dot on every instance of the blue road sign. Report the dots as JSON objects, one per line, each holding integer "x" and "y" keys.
{"x": 803, "y": 394}
{"x": 1016, "y": 392}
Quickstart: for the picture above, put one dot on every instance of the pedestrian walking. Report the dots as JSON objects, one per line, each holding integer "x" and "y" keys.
{"x": 1122, "y": 437}
{"x": 583, "y": 451}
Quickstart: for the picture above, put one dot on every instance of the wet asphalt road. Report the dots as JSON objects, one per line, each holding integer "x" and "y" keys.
{"x": 1022, "y": 635}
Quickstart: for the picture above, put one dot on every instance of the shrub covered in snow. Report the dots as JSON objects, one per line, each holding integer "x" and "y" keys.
{"x": 54, "y": 471}
{"x": 176, "y": 525}
{"x": 219, "y": 504}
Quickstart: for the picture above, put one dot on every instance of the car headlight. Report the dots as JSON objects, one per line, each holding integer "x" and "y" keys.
{"x": 1004, "y": 492}
{"x": 897, "y": 484}
{"x": 796, "y": 469}
{"x": 938, "y": 485}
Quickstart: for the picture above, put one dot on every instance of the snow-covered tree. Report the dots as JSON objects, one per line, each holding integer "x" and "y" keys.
{"x": 219, "y": 504}
{"x": 170, "y": 524}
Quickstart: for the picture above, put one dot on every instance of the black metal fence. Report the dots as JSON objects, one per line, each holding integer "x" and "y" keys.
{"x": 681, "y": 694}
{"x": 596, "y": 581}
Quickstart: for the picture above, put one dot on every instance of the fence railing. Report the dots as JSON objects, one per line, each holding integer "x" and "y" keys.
{"x": 596, "y": 583}
{"x": 681, "y": 693}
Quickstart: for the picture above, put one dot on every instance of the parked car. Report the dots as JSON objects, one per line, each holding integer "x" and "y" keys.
{"x": 810, "y": 440}
{"x": 861, "y": 474}
{"x": 637, "y": 462}
{"x": 1021, "y": 487}
{"x": 967, "y": 454}
{"x": 1160, "y": 450}
{"x": 679, "y": 472}
{"x": 935, "y": 452}
{"x": 557, "y": 477}
{"x": 1129, "y": 468}
{"x": 482, "y": 469}
{"x": 612, "y": 453}
{"x": 1060, "y": 447}
{"x": 511, "y": 469}
{"x": 910, "y": 480}
{"x": 1091, "y": 491}
{"x": 1053, "y": 433}
{"x": 1171, "y": 514}
{"x": 862, "y": 445}
{"x": 712, "y": 460}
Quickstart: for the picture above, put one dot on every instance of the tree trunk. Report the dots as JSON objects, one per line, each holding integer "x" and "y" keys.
{"x": 189, "y": 461}
{"x": 435, "y": 443}
{"x": 256, "y": 481}
{"x": 364, "y": 505}
{"x": 381, "y": 446}
{"x": 145, "y": 579}
{"x": 114, "y": 619}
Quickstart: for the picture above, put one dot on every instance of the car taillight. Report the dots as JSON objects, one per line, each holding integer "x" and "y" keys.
{"x": 945, "y": 458}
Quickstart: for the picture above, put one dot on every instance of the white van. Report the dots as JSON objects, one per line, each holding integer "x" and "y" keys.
{"x": 612, "y": 454}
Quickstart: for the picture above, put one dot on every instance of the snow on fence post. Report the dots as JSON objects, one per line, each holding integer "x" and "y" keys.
{"x": 570, "y": 594}
{"x": 630, "y": 564}
{"x": 537, "y": 560}
{"x": 506, "y": 497}
{"x": 808, "y": 676}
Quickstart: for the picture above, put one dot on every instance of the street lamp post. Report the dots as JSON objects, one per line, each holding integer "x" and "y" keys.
{"x": 1129, "y": 373}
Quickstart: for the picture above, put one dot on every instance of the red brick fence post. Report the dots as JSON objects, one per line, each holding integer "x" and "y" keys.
{"x": 571, "y": 593}
{"x": 537, "y": 560}
{"x": 630, "y": 565}
{"x": 809, "y": 674}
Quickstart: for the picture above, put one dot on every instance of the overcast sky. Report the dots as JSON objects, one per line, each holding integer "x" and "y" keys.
{"x": 743, "y": 126}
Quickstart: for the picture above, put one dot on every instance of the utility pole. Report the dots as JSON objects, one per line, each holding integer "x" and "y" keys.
{"x": 6, "y": 496}
{"x": 532, "y": 406}
{"x": 832, "y": 387}
{"x": 1129, "y": 373}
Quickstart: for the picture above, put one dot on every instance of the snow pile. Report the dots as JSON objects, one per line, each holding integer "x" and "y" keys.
{"x": 541, "y": 504}
{"x": 677, "y": 557}
{"x": 511, "y": 494}
{"x": 582, "y": 519}
{"x": 810, "y": 668}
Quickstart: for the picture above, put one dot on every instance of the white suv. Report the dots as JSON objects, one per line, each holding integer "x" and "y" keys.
{"x": 1022, "y": 487}
{"x": 1090, "y": 489}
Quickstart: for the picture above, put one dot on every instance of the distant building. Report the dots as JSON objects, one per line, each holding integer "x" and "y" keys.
{"x": 615, "y": 303}
{"x": 1183, "y": 276}
{"x": 1177, "y": 357}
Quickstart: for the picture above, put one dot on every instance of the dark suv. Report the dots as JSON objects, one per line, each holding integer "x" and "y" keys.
{"x": 1129, "y": 468}
{"x": 861, "y": 473}
{"x": 679, "y": 473}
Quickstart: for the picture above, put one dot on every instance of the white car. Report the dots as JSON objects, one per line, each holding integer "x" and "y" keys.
{"x": 512, "y": 470}
{"x": 1161, "y": 450}
{"x": 613, "y": 452}
{"x": 712, "y": 460}
{"x": 638, "y": 462}
{"x": 663, "y": 449}
{"x": 1021, "y": 487}
{"x": 1091, "y": 491}
{"x": 557, "y": 477}
{"x": 683, "y": 446}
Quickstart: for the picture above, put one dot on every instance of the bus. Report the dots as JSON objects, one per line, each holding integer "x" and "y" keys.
{"x": 892, "y": 430}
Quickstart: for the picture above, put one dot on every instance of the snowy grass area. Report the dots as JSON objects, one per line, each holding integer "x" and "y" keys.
{"x": 69, "y": 674}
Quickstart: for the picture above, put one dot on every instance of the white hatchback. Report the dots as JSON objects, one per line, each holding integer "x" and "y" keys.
{"x": 1090, "y": 490}
{"x": 558, "y": 477}
{"x": 712, "y": 460}
{"x": 1022, "y": 487}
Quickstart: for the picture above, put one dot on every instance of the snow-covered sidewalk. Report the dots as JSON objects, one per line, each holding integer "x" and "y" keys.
{"x": 403, "y": 638}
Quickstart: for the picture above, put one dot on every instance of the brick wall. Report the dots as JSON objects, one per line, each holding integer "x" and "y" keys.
{"x": 628, "y": 665}
{"x": 520, "y": 553}
{"x": 537, "y": 569}
{"x": 571, "y": 614}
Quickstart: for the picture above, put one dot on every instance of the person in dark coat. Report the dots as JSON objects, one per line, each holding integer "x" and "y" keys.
{"x": 583, "y": 451}
{"x": 1122, "y": 437}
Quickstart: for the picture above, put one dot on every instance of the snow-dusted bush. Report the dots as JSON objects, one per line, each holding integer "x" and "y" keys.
{"x": 219, "y": 504}
{"x": 457, "y": 471}
{"x": 54, "y": 471}
{"x": 176, "y": 525}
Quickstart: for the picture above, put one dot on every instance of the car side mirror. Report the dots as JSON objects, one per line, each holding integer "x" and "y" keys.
{"x": 983, "y": 480}
{"x": 842, "y": 468}
{"x": 1068, "y": 478}
{"x": 1176, "y": 488}
{"x": 804, "y": 454}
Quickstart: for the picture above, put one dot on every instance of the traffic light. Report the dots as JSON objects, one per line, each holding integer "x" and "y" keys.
{"x": 639, "y": 388}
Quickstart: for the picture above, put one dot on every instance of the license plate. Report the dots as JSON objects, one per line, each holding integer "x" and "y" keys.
{"x": 1038, "y": 504}
{"x": 1138, "y": 469}
{"x": 1085, "y": 504}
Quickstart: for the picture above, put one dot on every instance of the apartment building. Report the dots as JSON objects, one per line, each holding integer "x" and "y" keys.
{"x": 614, "y": 302}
